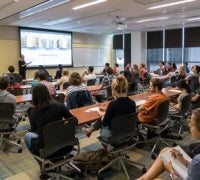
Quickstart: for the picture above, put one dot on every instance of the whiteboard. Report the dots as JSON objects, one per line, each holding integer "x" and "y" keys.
{"x": 90, "y": 56}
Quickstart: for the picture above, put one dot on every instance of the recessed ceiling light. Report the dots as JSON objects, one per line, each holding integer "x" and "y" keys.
{"x": 193, "y": 19}
{"x": 170, "y": 4}
{"x": 88, "y": 4}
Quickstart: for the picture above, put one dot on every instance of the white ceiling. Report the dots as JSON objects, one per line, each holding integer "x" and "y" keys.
{"x": 100, "y": 18}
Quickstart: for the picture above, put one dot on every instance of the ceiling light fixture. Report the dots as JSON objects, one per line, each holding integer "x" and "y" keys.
{"x": 88, "y": 4}
{"x": 170, "y": 4}
{"x": 193, "y": 19}
{"x": 152, "y": 19}
{"x": 58, "y": 21}
{"x": 42, "y": 7}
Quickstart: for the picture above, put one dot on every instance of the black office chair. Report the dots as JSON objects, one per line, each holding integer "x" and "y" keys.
{"x": 8, "y": 126}
{"x": 60, "y": 98}
{"x": 65, "y": 85}
{"x": 162, "y": 126}
{"x": 59, "y": 141}
{"x": 124, "y": 137}
{"x": 181, "y": 117}
{"x": 91, "y": 82}
{"x": 79, "y": 99}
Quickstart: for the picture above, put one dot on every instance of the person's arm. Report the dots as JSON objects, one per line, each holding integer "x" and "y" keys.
{"x": 195, "y": 98}
{"x": 106, "y": 121}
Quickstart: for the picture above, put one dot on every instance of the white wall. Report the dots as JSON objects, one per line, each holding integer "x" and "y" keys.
{"x": 138, "y": 47}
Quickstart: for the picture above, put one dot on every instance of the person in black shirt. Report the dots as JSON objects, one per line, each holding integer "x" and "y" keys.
{"x": 22, "y": 67}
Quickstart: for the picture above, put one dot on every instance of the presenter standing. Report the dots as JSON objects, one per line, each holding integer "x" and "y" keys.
{"x": 22, "y": 66}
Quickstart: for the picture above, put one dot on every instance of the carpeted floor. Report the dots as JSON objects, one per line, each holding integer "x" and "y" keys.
{"x": 24, "y": 167}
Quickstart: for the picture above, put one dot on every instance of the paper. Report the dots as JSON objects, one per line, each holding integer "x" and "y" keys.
{"x": 139, "y": 101}
{"x": 93, "y": 109}
{"x": 175, "y": 90}
{"x": 180, "y": 169}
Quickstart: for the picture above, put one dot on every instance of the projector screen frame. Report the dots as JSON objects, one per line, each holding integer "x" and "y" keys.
{"x": 48, "y": 31}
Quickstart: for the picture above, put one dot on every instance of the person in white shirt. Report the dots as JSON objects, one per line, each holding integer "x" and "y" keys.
{"x": 87, "y": 75}
{"x": 63, "y": 79}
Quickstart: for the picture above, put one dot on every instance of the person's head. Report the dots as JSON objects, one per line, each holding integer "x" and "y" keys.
{"x": 174, "y": 66}
{"x": 183, "y": 85}
{"x": 65, "y": 72}
{"x": 11, "y": 69}
{"x": 161, "y": 64}
{"x": 182, "y": 70}
{"x": 116, "y": 65}
{"x": 135, "y": 67}
{"x": 40, "y": 96}
{"x": 107, "y": 65}
{"x": 21, "y": 57}
{"x": 60, "y": 66}
{"x": 128, "y": 75}
{"x": 75, "y": 79}
{"x": 142, "y": 65}
{"x": 4, "y": 81}
{"x": 109, "y": 71}
{"x": 195, "y": 123}
{"x": 90, "y": 69}
{"x": 40, "y": 67}
{"x": 119, "y": 86}
{"x": 156, "y": 85}
{"x": 185, "y": 64}
{"x": 40, "y": 75}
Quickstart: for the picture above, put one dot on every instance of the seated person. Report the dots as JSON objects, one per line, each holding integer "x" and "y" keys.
{"x": 196, "y": 98}
{"x": 148, "y": 112}
{"x": 63, "y": 79}
{"x": 184, "y": 87}
{"x": 143, "y": 70}
{"x": 59, "y": 72}
{"x": 40, "y": 67}
{"x": 7, "y": 97}
{"x": 40, "y": 77}
{"x": 121, "y": 105}
{"x": 44, "y": 111}
{"x": 87, "y": 75}
{"x": 15, "y": 79}
{"x": 106, "y": 82}
{"x": 161, "y": 70}
{"x": 76, "y": 85}
{"x": 160, "y": 166}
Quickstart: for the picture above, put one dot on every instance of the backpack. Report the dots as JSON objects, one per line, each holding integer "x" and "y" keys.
{"x": 92, "y": 161}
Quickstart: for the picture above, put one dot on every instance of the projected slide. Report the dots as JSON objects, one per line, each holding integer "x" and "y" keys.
{"x": 47, "y": 48}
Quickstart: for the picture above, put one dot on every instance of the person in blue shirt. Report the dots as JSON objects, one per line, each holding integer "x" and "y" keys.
{"x": 187, "y": 69}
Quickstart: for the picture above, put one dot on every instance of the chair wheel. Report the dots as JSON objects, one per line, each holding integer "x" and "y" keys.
{"x": 153, "y": 156}
{"x": 19, "y": 150}
{"x": 144, "y": 170}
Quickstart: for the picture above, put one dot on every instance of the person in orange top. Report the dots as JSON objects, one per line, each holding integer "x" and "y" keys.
{"x": 149, "y": 110}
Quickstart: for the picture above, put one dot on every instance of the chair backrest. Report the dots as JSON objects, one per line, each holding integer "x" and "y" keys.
{"x": 173, "y": 79}
{"x": 79, "y": 99}
{"x": 186, "y": 104}
{"x": 91, "y": 82}
{"x": 60, "y": 98}
{"x": 65, "y": 85}
{"x": 6, "y": 116}
{"x": 163, "y": 111}
{"x": 109, "y": 92}
{"x": 6, "y": 110}
{"x": 123, "y": 126}
{"x": 194, "y": 83}
{"x": 57, "y": 135}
